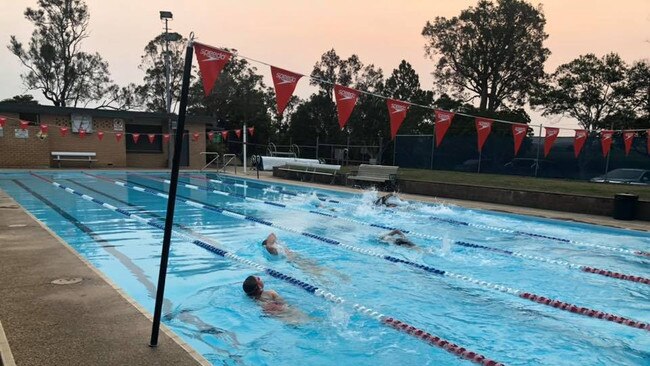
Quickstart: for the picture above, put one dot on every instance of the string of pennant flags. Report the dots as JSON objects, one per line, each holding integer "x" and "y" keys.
{"x": 64, "y": 131}
{"x": 212, "y": 60}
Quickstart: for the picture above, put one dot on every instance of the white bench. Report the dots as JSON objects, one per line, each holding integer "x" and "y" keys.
{"x": 375, "y": 174}
{"x": 60, "y": 156}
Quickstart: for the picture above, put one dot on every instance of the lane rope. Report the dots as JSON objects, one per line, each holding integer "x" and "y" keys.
{"x": 383, "y": 319}
{"x": 581, "y": 267}
{"x": 495, "y": 287}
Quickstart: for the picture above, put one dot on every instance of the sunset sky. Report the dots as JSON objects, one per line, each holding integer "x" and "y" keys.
{"x": 293, "y": 34}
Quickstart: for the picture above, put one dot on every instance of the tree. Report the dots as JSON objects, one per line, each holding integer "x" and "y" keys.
{"x": 56, "y": 65}
{"x": 589, "y": 89}
{"x": 21, "y": 99}
{"x": 153, "y": 92}
{"x": 493, "y": 52}
{"x": 404, "y": 84}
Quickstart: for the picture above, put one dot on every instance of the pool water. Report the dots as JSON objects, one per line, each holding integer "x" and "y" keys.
{"x": 205, "y": 304}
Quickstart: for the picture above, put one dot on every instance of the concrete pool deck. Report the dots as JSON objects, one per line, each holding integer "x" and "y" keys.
{"x": 94, "y": 322}
{"x": 86, "y": 323}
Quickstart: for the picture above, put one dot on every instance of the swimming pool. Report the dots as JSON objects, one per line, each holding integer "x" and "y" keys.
{"x": 471, "y": 284}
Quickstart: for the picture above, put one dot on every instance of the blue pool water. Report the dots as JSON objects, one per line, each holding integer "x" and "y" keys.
{"x": 205, "y": 304}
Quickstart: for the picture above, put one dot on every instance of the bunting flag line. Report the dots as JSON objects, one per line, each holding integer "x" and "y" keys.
{"x": 44, "y": 129}
{"x": 100, "y": 135}
{"x": 211, "y": 62}
{"x": 152, "y": 138}
{"x": 238, "y": 133}
{"x": 346, "y": 99}
{"x": 606, "y": 141}
{"x": 24, "y": 125}
{"x": 118, "y": 136}
{"x": 166, "y": 137}
{"x": 82, "y": 133}
{"x": 483, "y": 128}
{"x": 284, "y": 83}
{"x": 549, "y": 138}
{"x": 397, "y": 112}
{"x": 210, "y": 136}
{"x": 195, "y": 136}
{"x": 518, "y": 133}
{"x": 442, "y": 122}
{"x": 579, "y": 142}
{"x": 628, "y": 139}
{"x": 63, "y": 131}
{"x": 224, "y": 135}
{"x": 3, "y": 120}
{"x": 136, "y": 137}
{"x": 251, "y": 131}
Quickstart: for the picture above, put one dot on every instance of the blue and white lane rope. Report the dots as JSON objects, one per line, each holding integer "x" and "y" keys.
{"x": 561, "y": 305}
{"x": 384, "y": 319}
{"x": 580, "y": 267}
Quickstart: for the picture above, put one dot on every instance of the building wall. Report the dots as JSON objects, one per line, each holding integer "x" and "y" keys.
{"x": 197, "y": 160}
{"x": 32, "y": 152}
{"x": 110, "y": 152}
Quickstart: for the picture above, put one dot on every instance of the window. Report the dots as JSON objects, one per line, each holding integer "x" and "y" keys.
{"x": 82, "y": 121}
{"x": 143, "y": 144}
{"x": 32, "y": 118}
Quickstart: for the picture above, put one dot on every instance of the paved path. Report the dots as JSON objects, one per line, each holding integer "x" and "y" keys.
{"x": 87, "y": 323}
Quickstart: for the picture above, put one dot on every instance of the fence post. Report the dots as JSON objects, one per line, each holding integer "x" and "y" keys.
{"x": 433, "y": 148}
{"x": 317, "y": 142}
{"x": 539, "y": 143}
{"x": 245, "y": 156}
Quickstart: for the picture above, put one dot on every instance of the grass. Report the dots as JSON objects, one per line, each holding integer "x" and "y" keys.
{"x": 524, "y": 183}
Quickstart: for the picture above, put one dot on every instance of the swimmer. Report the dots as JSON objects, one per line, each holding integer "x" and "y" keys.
{"x": 272, "y": 303}
{"x": 272, "y": 247}
{"x": 384, "y": 201}
{"x": 398, "y": 238}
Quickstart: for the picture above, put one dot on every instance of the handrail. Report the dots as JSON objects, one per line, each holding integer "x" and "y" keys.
{"x": 216, "y": 156}
{"x": 225, "y": 163}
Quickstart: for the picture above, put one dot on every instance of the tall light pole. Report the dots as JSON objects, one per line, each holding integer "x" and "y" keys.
{"x": 166, "y": 16}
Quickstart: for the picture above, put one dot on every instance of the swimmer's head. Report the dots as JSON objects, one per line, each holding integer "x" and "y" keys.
{"x": 253, "y": 286}
{"x": 404, "y": 242}
{"x": 272, "y": 249}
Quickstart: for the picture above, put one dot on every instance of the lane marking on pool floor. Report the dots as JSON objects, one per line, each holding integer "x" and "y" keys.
{"x": 383, "y": 319}
{"x": 581, "y": 267}
{"x": 561, "y": 305}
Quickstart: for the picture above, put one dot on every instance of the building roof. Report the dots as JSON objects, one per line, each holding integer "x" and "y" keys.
{"x": 103, "y": 113}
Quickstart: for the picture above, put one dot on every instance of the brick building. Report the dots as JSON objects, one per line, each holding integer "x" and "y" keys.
{"x": 30, "y": 149}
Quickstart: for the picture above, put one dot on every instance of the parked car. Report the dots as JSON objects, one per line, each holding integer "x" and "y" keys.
{"x": 624, "y": 176}
{"x": 527, "y": 167}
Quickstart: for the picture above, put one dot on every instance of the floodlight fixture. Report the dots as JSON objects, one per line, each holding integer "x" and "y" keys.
{"x": 166, "y": 15}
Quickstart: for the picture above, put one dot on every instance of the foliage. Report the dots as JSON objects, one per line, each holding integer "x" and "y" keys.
{"x": 21, "y": 99}
{"x": 55, "y": 63}
{"x": 493, "y": 52}
{"x": 595, "y": 91}
{"x": 404, "y": 84}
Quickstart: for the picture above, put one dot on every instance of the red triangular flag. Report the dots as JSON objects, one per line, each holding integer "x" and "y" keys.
{"x": 224, "y": 135}
{"x": 397, "y": 112}
{"x": 285, "y": 83}
{"x": 23, "y": 125}
{"x": 195, "y": 136}
{"x": 166, "y": 137}
{"x": 210, "y": 136}
{"x": 238, "y": 133}
{"x": 549, "y": 138}
{"x": 63, "y": 131}
{"x": 136, "y": 137}
{"x": 443, "y": 121}
{"x": 518, "y": 133}
{"x": 100, "y": 135}
{"x": 152, "y": 137}
{"x": 118, "y": 136}
{"x": 483, "y": 128}
{"x": 606, "y": 141}
{"x": 82, "y": 133}
{"x": 628, "y": 139}
{"x": 251, "y": 130}
{"x": 579, "y": 141}
{"x": 346, "y": 98}
{"x": 44, "y": 129}
{"x": 3, "y": 120}
{"x": 211, "y": 62}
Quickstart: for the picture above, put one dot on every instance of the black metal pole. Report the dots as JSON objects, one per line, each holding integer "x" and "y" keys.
{"x": 171, "y": 200}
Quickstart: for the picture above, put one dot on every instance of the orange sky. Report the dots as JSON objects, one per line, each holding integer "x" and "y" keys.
{"x": 293, "y": 34}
